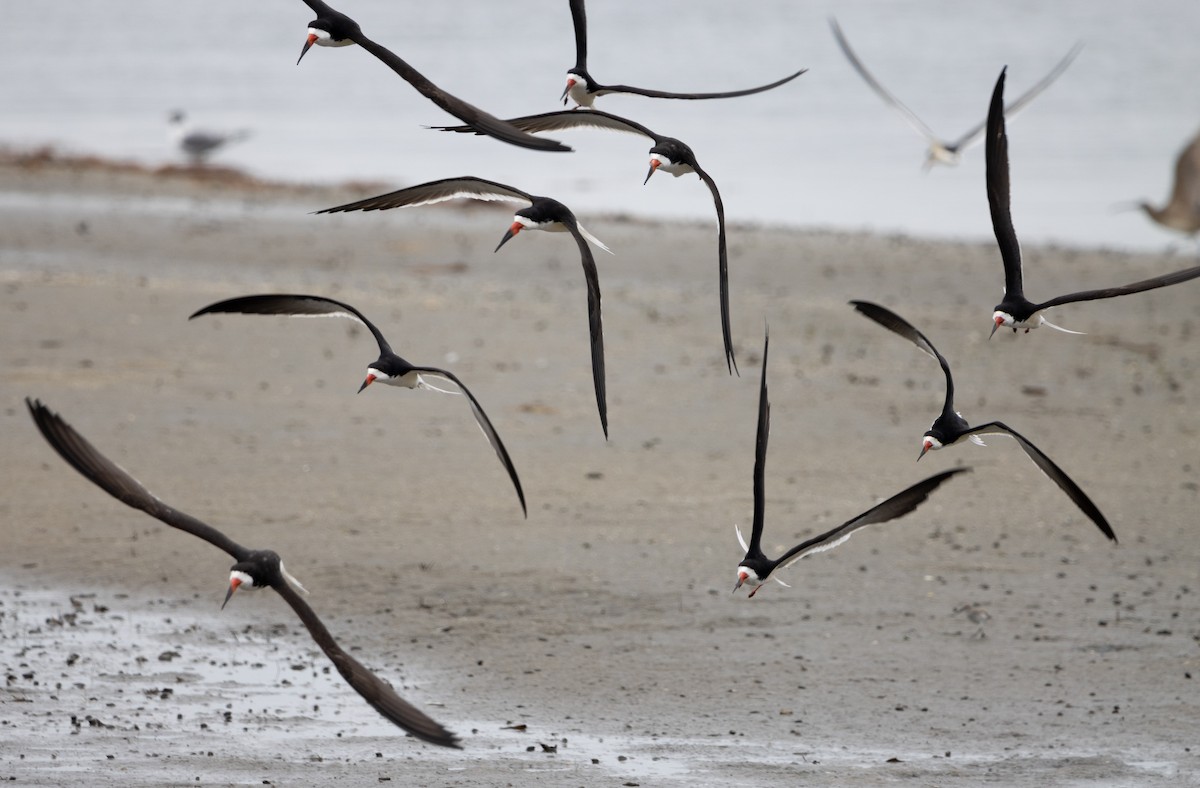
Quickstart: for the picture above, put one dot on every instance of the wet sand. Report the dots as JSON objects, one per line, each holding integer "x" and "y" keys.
{"x": 992, "y": 637}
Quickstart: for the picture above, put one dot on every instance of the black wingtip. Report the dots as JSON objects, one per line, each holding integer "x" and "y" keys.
{"x": 37, "y": 410}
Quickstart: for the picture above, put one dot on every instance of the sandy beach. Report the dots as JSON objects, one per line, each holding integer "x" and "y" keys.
{"x": 992, "y": 637}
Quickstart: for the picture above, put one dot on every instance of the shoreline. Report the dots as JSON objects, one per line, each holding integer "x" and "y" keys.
{"x": 97, "y": 174}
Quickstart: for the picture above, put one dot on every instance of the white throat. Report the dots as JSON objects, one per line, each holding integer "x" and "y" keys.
{"x": 750, "y": 578}
{"x": 666, "y": 165}
{"x": 244, "y": 580}
{"x": 578, "y": 92}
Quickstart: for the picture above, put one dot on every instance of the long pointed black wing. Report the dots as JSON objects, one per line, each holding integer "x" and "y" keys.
{"x": 293, "y": 305}
{"x": 722, "y": 267}
{"x": 579, "y": 21}
{"x": 1012, "y": 108}
{"x": 1055, "y": 473}
{"x": 1136, "y": 287}
{"x": 897, "y": 506}
{"x": 114, "y": 480}
{"x": 485, "y": 424}
{"x": 117, "y": 482}
{"x": 319, "y": 8}
{"x": 595, "y": 327}
{"x": 880, "y": 90}
{"x": 569, "y": 119}
{"x": 695, "y": 96}
{"x": 893, "y": 322}
{"x": 437, "y": 191}
{"x": 374, "y": 690}
{"x": 754, "y": 549}
{"x": 998, "y": 192}
{"x": 467, "y": 113}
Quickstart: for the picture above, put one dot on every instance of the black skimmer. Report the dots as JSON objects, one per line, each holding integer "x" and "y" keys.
{"x": 950, "y": 427}
{"x": 199, "y": 144}
{"x": 1016, "y": 311}
{"x": 755, "y": 568}
{"x": 543, "y": 213}
{"x": 944, "y": 151}
{"x": 334, "y": 29}
{"x": 583, "y": 89}
{"x": 668, "y": 154}
{"x": 1182, "y": 211}
{"x": 388, "y": 368}
{"x": 254, "y": 569}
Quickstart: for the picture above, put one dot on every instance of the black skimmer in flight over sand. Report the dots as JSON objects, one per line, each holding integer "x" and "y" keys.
{"x": 254, "y": 569}
{"x": 950, "y": 427}
{"x": 583, "y": 89}
{"x": 388, "y": 368}
{"x": 1016, "y": 311}
{"x": 543, "y": 213}
{"x": 945, "y": 151}
{"x": 668, "y": 154}
{"x": 755, "y": 568}
{"x": 334, "y": 29}
{"x": 199, "y": 144}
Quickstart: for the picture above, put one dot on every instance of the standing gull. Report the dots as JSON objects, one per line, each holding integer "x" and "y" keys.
{"x": 199, "y": 144}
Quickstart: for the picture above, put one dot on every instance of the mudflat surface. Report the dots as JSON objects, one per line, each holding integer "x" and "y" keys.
{"x": 992, "y": 637}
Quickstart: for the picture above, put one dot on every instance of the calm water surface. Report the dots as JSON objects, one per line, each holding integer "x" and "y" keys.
{"x": 96, "y": 76}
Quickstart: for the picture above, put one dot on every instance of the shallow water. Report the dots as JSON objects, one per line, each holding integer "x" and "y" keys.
{"x": 100, "y": 681}
{"x": 822, "y": 151}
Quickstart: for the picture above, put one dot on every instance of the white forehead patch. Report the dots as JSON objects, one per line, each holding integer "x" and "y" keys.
{"x": 244, "y": 580}
{"x": 934, "y": 443}
{"x": 579, "y": 91}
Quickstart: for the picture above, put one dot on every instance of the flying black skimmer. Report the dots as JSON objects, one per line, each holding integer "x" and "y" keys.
{"x": 755, "y": 568}
{"x": 1016, "y": 311}
{"x": 254, "y": 569}
{"x": 543, "y": 213}
{"x": 334, "y": 29}
{"x": 1182, "y": 211}
{"x": 583, "y": 89}
{"x": 199, "y": 144}
{"x": 950, "y": 427}
{"x": 941, "y": 151}
{"x": 388, "y": 368}
{"x": 668, "y": 154}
